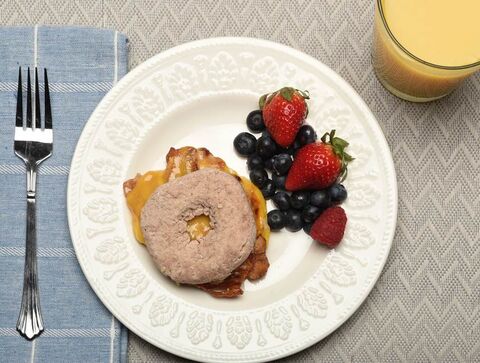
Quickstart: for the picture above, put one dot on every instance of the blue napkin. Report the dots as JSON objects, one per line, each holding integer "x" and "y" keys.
{"x": 83, "y": 64}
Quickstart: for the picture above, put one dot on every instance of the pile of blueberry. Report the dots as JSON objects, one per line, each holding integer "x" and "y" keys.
{"x": 295, "y": 210}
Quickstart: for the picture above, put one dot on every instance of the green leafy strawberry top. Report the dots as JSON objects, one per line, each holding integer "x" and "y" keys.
{"x": 338, "y": 146}
{"x": 286, "y": 92}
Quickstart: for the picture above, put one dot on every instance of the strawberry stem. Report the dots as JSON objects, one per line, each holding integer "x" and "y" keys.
{"x": 305, "y": 94}
{"x": 286, "y": 92}
{"x": 262, "y": 101}
{"x": 338, "y": 146}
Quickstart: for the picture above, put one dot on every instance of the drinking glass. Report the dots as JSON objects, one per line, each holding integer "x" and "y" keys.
{"x": 406, "y": 75}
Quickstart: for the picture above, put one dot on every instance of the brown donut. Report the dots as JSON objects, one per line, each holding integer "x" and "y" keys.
{"x": 213, "y": 257}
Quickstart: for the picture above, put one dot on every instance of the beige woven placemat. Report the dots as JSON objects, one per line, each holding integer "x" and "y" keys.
{"x": 426, "y": 304}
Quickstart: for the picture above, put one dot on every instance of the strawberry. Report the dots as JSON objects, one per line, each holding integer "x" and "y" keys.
{"x": 329, "y": 228}
{"x": 319, "y": 165}
{"x": 283, "y": 113}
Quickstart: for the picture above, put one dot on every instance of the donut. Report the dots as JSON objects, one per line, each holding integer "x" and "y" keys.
{"x": 214, "y": 256}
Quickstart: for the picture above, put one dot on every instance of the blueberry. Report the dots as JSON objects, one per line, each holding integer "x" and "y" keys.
{"x": 276, "y": 220}
{"x": 245, "y": 143}
{"x": 296, "y": 145}
{"x": 300, "y": 199}
{"x": 279, "y": 180}
{"x": 282, "y": 163}
{"x": 268, "y": 189}
{"x": 320, "y": 199}
{"x": 266, "y": 133}
{"x": 281, "y": 200}
{"x": 310, "y": 213}
{"x": 293, "y": 220}
{"x": 293, "y": 149}
{"x": 337, "y": 193}
{"x": 254, "y": 161}
{"x": 255, "y": 121}
{"x": 269, "y": 164}
{"x": 266, "y": 147}
{"x": 307, "y": 227}
{"x": 259, "y": 177}
{"x": 306, "y": 135}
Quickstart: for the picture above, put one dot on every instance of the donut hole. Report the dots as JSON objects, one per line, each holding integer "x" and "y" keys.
{"x": 198, "y": 227}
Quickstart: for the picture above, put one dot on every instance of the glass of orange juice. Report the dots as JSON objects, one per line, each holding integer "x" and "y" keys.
{"x": 424, "y": 49}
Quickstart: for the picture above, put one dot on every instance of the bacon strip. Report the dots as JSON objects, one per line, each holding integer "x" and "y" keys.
{"x": 253, "y": 268}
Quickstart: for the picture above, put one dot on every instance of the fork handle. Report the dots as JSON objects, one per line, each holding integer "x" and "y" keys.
{"x": 30, "y": 322}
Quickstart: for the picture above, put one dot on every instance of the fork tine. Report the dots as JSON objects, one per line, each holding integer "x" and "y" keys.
{"x": 29, "y": 100}
{"x": 48, "y": 109}
{"x": 38, "y": 119}
{"x": 19, "y": 116}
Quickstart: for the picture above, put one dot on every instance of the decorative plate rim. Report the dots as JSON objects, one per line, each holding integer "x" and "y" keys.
{"x": 342, "y": 86}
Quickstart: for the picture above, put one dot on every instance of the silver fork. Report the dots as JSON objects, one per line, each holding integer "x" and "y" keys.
{"x": 33, "y": 144}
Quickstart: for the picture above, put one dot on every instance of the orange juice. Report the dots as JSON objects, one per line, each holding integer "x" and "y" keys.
{"x": 423, "y": 49}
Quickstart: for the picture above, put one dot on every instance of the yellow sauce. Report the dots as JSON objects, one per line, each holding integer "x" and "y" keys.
{"x": 136, "y": 199}
{"x": 198, "y": 227}
{"x": 442, "y": 32}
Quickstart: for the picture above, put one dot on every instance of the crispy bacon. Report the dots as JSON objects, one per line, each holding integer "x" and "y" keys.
{"x": 129, "y": 185}
{"x": 259, "y": 259}
{"x": 253, "y": 268}
{"x": 232, "y": 285}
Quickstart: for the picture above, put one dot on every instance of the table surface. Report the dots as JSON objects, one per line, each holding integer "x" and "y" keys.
{"x": 425, "y": 306}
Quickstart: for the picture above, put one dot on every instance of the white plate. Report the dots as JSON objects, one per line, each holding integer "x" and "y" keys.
{"x": 199, "y": 94}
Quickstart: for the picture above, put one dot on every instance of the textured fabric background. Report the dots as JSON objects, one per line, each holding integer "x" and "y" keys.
{"x": 426, "y": 304}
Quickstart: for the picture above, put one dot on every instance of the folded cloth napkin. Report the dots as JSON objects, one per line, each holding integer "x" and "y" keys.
{"x": 83, "y": 64}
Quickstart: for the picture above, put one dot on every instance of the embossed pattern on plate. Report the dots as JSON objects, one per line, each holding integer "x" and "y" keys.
{"x": 187, "y": 81}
